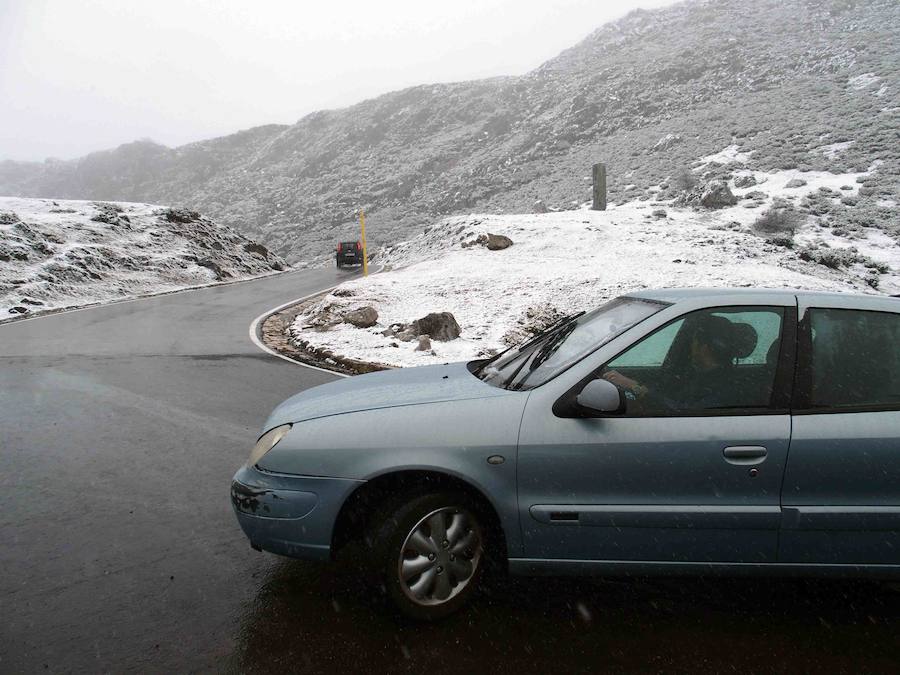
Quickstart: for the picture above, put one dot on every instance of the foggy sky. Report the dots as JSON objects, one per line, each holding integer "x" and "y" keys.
{"x": 84, "y": 75}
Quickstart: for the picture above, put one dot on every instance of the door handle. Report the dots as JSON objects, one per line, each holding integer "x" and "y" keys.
{"x": 745, "y": 454}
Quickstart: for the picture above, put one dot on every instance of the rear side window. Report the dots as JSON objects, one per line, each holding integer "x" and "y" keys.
{"x": 853, "y": 360}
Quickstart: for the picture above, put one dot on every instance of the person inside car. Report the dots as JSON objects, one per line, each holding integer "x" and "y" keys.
{"x": 700, "y": 377}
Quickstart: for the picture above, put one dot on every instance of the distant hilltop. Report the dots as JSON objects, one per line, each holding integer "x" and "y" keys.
{"x": 795, "y": 84}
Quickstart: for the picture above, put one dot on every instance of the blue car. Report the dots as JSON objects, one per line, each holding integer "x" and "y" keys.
{"x": 674, "y": 431}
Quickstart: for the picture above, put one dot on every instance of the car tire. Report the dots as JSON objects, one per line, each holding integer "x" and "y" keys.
{"x": 428, "y": 553}
{"x": 339, "y": 264}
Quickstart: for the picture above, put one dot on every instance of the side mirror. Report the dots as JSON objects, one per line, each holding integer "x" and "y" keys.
{"x": 602, "y": 397}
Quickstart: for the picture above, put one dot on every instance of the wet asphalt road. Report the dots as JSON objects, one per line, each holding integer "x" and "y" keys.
{"x": 120, "y": 428}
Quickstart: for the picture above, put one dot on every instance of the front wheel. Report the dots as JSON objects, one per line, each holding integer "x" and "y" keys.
{"x": 429, "y": 552}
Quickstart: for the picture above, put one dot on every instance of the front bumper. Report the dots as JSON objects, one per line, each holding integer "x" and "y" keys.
{"x": 286, "y": 514}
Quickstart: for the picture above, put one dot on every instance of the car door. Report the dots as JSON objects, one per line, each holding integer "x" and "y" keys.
{"x": 687, "y": 483}
{"x": 841, "y": 494}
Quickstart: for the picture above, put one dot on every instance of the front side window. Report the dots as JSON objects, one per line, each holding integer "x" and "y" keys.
{"x": 710, "y": 360}
{"x": 854, "y": 360}
{"x": 553, "y": 351}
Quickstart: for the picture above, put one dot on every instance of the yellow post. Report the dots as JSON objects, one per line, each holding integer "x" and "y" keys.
{"x": 362, "y": 225}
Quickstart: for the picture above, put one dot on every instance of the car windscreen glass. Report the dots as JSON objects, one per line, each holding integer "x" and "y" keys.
{"x": 542, "y": 358}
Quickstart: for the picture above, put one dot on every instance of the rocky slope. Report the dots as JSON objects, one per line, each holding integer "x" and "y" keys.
{"x": 57, "y": 254}
{"x": 791, "y": 84}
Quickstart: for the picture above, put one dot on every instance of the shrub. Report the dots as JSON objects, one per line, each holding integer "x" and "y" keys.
{"x": 777, "y": 224}
{"x": 684, "y": 179}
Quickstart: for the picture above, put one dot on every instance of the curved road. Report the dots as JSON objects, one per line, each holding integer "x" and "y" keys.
{"x": 120, "y": 428}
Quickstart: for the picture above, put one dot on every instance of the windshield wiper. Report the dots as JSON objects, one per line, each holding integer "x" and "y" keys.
{"x": 543, "y": 353}
{"x": 552, "y": 327}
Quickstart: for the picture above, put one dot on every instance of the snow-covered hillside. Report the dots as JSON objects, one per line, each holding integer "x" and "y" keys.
{"x": 56, "y": 254}
{"x": 572, "y": 260}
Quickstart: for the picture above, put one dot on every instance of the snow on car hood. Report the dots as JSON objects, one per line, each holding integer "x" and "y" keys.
{"x": 384, "y": 389}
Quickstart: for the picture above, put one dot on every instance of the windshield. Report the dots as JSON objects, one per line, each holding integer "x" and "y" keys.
{"x": 543, "y": 357}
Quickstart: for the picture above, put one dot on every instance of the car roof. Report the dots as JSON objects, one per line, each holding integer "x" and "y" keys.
{"x": 674, "y": 295}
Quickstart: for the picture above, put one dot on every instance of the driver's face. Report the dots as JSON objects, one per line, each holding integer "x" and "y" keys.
{"x": 702, "y": 354}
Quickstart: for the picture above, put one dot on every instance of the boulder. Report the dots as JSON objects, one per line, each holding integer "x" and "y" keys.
{"x": 795, "y": 183}
{"x": 363, "y": 317}
{"x": 439, "y": 326}
{"x": 215, "y": 267}
{"x": 424, "y": 344}
{"x": 256, "y": 248}
{"x": 181, "y": 215}
{"x": 493, "y": 242}
{"x": 666, "y": 142}
{"x": 497, "y": 242}
{"x": 717, "y": 195}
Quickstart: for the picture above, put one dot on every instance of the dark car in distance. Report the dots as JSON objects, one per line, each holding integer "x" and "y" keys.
{"x": 349, "y": 253}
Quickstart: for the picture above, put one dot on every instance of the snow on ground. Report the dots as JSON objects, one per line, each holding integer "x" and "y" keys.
{"x": 725, "y": 156}
{"x": 65, "y": 253}
{"x": 567, "y": 261}
{"x": 863, "y": 81}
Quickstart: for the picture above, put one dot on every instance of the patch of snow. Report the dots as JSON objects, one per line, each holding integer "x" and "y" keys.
{"x": 567, "y": 261}
{"x": 869, "y": 241}
{"x": 862, "y": 81}
{"x": 55, "y": 254}
{"x": 774, "y": 186}
{"x": 726, "y": 156}
{"x": 832, "y": 150}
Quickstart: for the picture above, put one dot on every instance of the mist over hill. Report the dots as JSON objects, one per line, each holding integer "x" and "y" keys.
{"x": 796, "y": 84}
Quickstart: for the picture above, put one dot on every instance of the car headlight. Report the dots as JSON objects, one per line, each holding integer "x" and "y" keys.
{"x": 266, "y": 442}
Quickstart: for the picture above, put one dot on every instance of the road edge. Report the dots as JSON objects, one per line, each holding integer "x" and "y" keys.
{"x": 256, "y": 329}
{"x": 44, "y": 314}
{"x": 256, "y": 338}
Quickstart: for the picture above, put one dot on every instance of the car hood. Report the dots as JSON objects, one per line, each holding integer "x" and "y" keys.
{"x": 384, "y": 389}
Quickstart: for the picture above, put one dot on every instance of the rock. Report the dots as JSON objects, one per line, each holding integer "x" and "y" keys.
{"x": 107, "y": 213}
{"x": 8, "y": 218}
{"x": 659, "y": 213}
{"x": 215, "y": 267}
{"x": 18, "y": 310}
{"x": 666, "y": 142}
{"x": 795, "y": 183}
{"x": 439, "y": 326}
{"x": 424, "y": 344}
{"x": 256, "y": 248}
{"x": 30, "y": 301}
{"x": 497, "y": 242}
{"x": 363, "y": 317}
{"x": 717, "y": 195}
{"x": 744, "y": 181}
{"x": 758, "y": 195}
{"x": 181, "y": 215}
{"x": 493, "y": 242}
{"x": 539, "y": 207}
